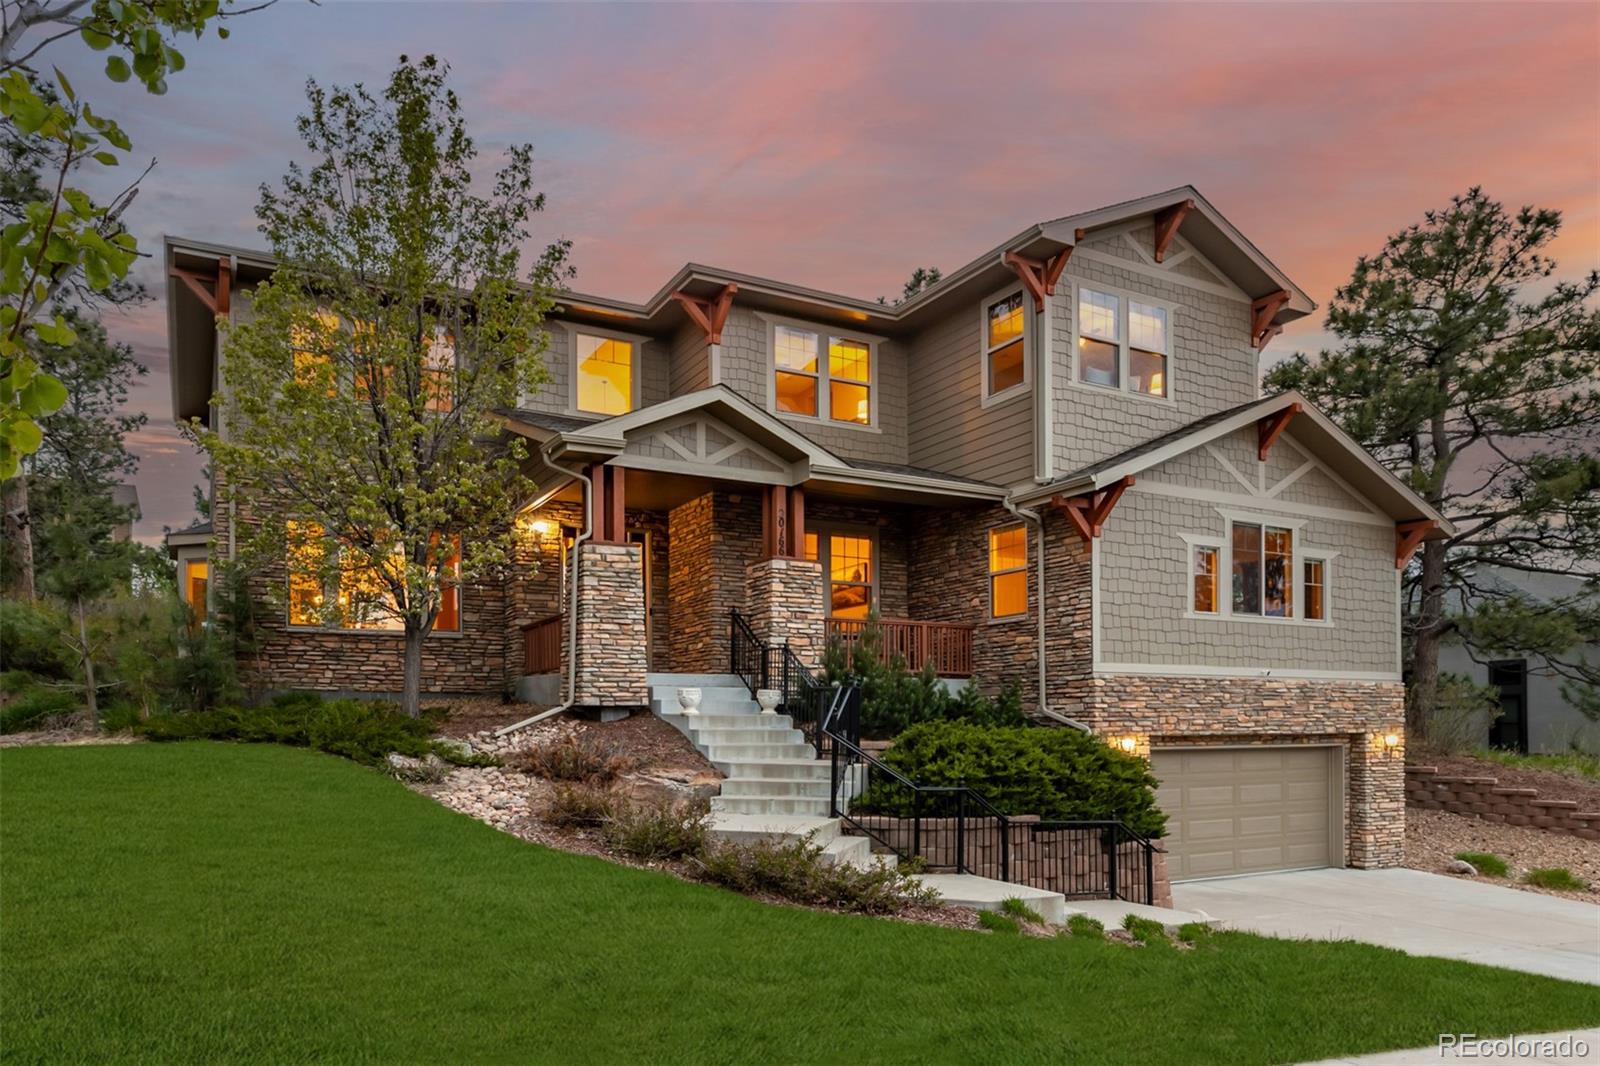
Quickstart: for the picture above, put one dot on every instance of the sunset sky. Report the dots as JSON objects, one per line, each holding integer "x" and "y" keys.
{"x": 842, "y": 146}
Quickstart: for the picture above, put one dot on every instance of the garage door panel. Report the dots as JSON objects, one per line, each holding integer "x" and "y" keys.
{"x": 1246, "y": 810}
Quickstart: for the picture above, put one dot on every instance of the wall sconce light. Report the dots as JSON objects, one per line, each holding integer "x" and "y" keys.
{"x": 541, "y": 528}
{"x": 1391, "y": 744}
{"x": 1128, "y": 744}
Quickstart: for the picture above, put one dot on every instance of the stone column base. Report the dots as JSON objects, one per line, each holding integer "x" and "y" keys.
{"x": 784, "y": 598}
{"x": 613, "y": 647}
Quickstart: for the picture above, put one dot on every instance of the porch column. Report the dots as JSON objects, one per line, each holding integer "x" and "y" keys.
{"x": 783, "y": 590}
{"x": 613, "y": 650}
{"x": 1377, "y": 799}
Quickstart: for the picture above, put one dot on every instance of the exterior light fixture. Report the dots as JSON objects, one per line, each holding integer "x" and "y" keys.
{"x": 541, "y": 527}
{"x": 1391, "y": 744}
{"x": 1128, "y": 744}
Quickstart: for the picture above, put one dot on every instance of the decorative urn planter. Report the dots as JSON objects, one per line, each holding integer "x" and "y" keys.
{"x": 689, "y": 700}
{"x": 768, "y": 699}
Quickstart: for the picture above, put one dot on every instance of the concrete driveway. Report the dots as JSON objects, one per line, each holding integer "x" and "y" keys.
{"x": 1419, "y": 913}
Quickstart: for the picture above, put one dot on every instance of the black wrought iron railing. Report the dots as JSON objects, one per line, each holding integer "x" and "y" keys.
{"x": 747, "y": 655}
{"x": 955, "y": 829}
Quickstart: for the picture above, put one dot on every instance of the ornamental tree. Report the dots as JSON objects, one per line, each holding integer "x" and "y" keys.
{"x": 1475, "y": 377}
{"x": 358, "y": 435}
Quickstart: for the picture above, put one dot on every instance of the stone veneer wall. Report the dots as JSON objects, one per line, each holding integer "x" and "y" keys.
{"x": 613, "y": 654}
{"x": 784, "y": 600}
{"x": 714, "y": 538}
{"x": 1485, "y": 798}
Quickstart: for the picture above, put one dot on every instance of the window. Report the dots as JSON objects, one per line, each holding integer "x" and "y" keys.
{"x": 1278, "y": 576}
{"x": 849, "y": 576}
{"x": 838, "y": 390}
{"x": 1316, "y": 590}
{"x": 1262, "y": 570}
{"x": 311, "y": 344}
{"x": 605, "y": 374}
{"x": 439, "y": 372}
{"x": 1004, "y": 326}
{"x": 1099, "y": 339}
{"x": 1206, "y": 565}
{"x": 196, "y": 574}
{"x": 1008, "y": 571}
{"x": 1124, "y": 343}
{"x": 363, "y": 594}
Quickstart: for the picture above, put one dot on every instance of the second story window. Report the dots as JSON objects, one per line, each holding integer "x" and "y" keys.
{"x": 1004, "y": 364}
{"x": 835, "y": 389}
{"x": 1123, "y": 343}
{"x": 604, "y": 374}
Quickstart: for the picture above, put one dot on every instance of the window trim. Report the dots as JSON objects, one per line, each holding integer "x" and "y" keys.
{"x": 638, "y": 341}
{"x": 991, "y": 573}
{"x": 356, "y": 631}
{"x": 1124, "y": 341}
{"x": 824, "y": 415}
{"x": 1223, "y": 544}
{"x": 986, "y": 398}
{"x": 824, "y": 559}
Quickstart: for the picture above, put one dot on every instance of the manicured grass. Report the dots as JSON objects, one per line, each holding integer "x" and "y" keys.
{"x": 204, "y": 902}
{"x": 1572, "y": 763}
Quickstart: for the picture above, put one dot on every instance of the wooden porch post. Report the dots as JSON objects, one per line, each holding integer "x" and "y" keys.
{"x": 607, "y": 504}
{"x": 783, "y": 519}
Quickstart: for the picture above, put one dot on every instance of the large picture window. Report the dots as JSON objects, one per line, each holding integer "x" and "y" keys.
{"x": 1123, "y": 343}
{"x": 363, "y": 596}
{"x": 604, "y": 369}
{"x": 835, "y": 389}
{"x": 1272, "y": 575}
{"x": 1005, "y": 366}
{"x": 1008, "y": 571}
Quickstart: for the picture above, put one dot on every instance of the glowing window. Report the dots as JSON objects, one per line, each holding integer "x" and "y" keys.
{"x": 365, "y": 599}
{"x": 1004, "y": 365}
{"x": 311, "y": 344}
{"x": 1008, "y": 571}
{"x": 1206, "y": 565}
{"x": 196, "y": 578}
{"x": 799, "y": 377}
{"x": 838, "y": 388}
{"x": 605, "y": 374}
{"x": 1316, "y": 589}
{"x": 849, "y": 381}
{"x": 1262, "y": 570}
{"x": 307, "y": 556}
{"x": 439, "y": 372}
{"x": 1147, "y": 348}
{"x": 850, "y": 576}
{"x": 1099, "y": 338}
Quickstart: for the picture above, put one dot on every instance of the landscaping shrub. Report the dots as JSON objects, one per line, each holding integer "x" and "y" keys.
{"x": 1556, "y": 877}
{"x": 364, "y": 731}
{"x": 1484, "y": 863}
{"x": 579, "y": 807}
{"x": 659, "y": 832}
{"x": 1016, "y": 908}
{"x": 1058, "y": 774}
{"x": 30, "y": 641}
{"x": 574, "y": 758}
{"x": 1083, "y": 925}
{"x": 34, "y": 705}
{"x": 1145, "y": 930}
{"x": 998, "y": 923}
{"x": 796, "y": 871}
{"x": 1193, "y": 932}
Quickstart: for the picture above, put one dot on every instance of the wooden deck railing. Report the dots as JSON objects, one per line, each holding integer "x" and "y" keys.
{"x": 541, "y": 646}
{"x": 945, "y": 644}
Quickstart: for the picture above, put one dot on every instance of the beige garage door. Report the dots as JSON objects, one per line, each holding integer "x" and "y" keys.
{"x": 1248, "y": 810}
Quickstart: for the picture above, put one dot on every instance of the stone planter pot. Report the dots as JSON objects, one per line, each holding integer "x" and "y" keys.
{"x": 689, "y": 700}
{"x": 768, "y": 698}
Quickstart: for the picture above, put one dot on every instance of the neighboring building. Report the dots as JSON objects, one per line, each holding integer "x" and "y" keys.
{"x": 190, "y": 549}
{"x": 1052, "y": 468}
{"x": 127, "y": 498}
{"x": 1534, "y": 714}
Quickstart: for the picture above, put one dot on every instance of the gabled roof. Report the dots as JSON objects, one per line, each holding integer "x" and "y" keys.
{"x": 1311, "y": 428}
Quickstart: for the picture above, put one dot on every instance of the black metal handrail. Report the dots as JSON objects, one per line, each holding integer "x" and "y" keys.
{"x": 956, "y": 828}
{"x": 747, "y": 655}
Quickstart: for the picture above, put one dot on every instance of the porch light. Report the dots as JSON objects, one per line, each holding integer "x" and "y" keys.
{"x": 1391, "y": 743}
{"x": 540, "y": 527}
{"x": 1128, "y": 744}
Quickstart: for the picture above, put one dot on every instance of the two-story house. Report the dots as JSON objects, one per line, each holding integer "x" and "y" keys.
{"x": 1052, "y": 468}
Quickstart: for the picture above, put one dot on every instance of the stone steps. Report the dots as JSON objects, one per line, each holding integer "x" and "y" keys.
{"x": 812, "y": 787}
{"x": 759, "y": 805}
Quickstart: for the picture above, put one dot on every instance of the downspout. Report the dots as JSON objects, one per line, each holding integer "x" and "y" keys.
{"x": 1035, "y": 519}
{"x": 572, "y": 606}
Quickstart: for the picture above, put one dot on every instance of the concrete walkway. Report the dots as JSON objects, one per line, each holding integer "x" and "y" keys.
{"x": 1419, "y": 913}
{"x": 1547, "y": 1049}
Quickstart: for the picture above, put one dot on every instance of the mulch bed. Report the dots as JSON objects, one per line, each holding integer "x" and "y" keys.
{"x": 1434, "y": 837}
{"x": 478, "y": 714}
{"x": 1551, "y": 784}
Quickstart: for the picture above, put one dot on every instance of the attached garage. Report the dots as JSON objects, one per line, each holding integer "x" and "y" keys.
{"x": 1242, "y": 810}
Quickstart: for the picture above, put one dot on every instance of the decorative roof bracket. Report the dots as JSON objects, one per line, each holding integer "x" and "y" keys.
{"x": 709, "y": 313}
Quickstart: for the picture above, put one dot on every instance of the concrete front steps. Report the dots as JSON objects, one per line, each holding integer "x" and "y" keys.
{"x": 780, "y": 828}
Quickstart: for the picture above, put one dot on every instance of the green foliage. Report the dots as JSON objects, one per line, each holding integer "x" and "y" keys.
{"x": 1194, "y": 932}
{"x": 1058, "y": 774}
{"x": 796, "y": 871}
{"x": 364, "y": 731}
{"x": 1085, "y": 926}
{"x": 1485, "y": 863}
{"x": 921, "y": 278}
{"x": 362, "y": 392}
{"x": 578, "y": 759}
{"x": 1573, "y": 763}
{"x": 30, "y": 640}
{"x": 33, "y": 705}
{"x": 996, "y": 922}
{"x": 1015, "y": 907}
{"x": 658, "y": 832}
{"x": 1556, "y": 877}
{"x": 1461, "y": 709}
{"x": 894, "y": 698}
{"x": 1145, "y": 930}
{"x": 1484, "y": 397}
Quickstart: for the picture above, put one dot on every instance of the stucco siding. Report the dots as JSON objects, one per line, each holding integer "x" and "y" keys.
{"x": 949, "y": 427}
{"x": 1212, "y": 365}
{"x": 1554, "y": 725}
{"x": 1143, "y": 575}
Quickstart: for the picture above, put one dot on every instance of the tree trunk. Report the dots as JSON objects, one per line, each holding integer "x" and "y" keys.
{"x": 19, "y": 532}
{"x": 1425, "y": 640}
{"x": 411, "y": 695}
{"x": 89, "y": 694}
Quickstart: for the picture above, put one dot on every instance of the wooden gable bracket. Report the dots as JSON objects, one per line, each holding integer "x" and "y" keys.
{"x": 1039, "y": 276}
{"x": 1262, "y": 328}
{"x": 1168, "y": 219}
{"x": 709, "y": 313}
{"x": 1408, "y": 538}
{"x": 1270, "y": 428}
{"x": 217, "y": 298}
{"x": 1088, "y": 512}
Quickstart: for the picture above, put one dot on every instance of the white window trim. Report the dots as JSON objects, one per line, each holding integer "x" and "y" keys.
{"x": 1015, "y": 392}
{"x": 823, "y": 417}
{"x": 1124, "y": 345}
{"x": 1025, "y": 569}
{"x": 1224, "y": 546}
{"x": 638, "y": 342}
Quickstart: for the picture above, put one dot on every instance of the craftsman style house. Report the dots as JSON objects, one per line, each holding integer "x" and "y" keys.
{"x": 1053, "y": 468}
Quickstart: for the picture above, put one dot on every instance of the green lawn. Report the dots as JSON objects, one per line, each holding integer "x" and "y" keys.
{"x": 204, "y": 902}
